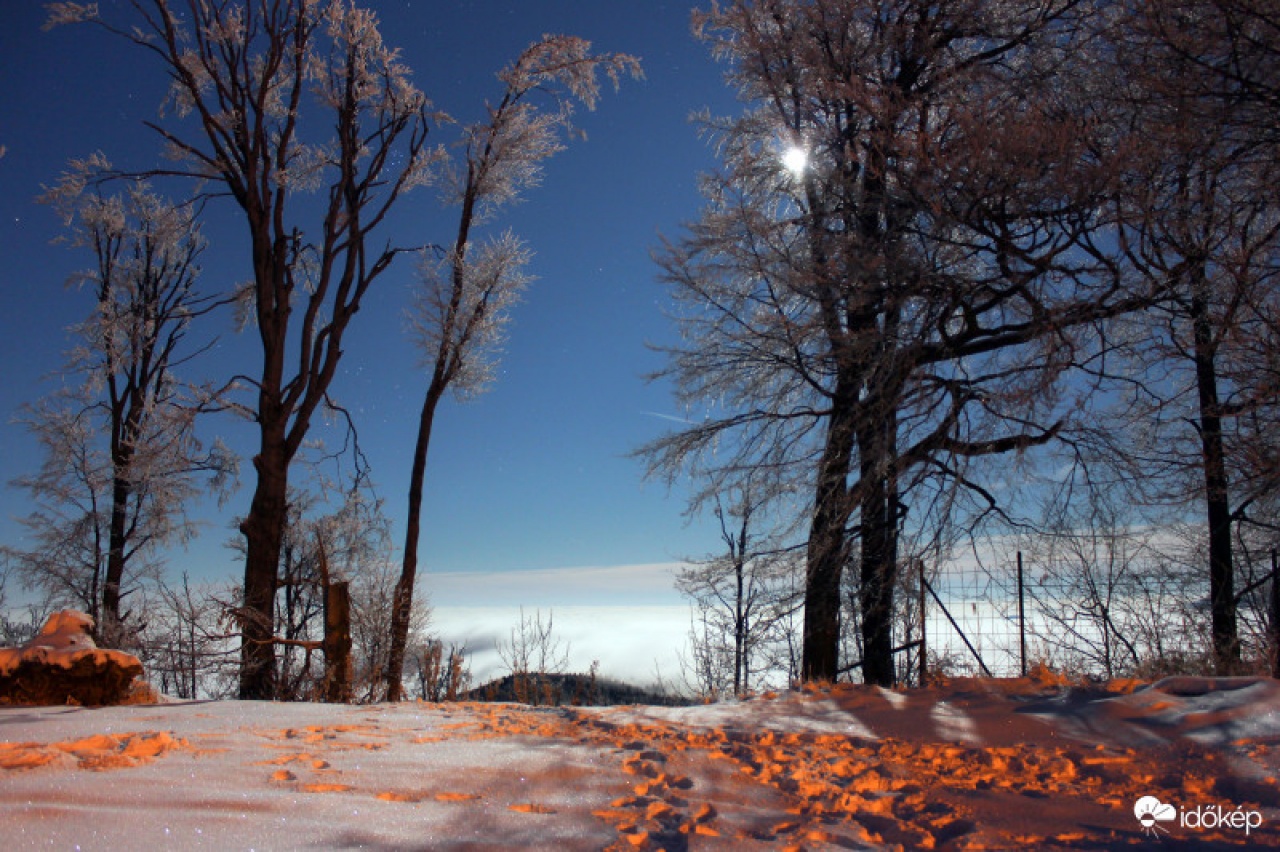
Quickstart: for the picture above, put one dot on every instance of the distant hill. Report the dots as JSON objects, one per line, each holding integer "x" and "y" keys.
{"x": 571, "y": 689}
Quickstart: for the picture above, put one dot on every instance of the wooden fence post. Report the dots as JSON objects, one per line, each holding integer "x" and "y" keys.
{"x": 337, "y": 643}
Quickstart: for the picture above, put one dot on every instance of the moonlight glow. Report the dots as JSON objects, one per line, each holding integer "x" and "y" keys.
{"x": 795, "y": 159}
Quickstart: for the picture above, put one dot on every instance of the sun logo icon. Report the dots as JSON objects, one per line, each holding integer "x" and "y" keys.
{"x": 1150, "y": 811}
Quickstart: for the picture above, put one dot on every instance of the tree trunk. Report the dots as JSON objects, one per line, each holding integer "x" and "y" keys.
{"x": 109, "y": 617}
{"x": 402, "y": 603}
{"x": 264, "y": 526}
{"x": 127, "y": 414}
{"x": 828, "y": 544}
{"x": 877, "y": 575}
{"x": 878, "y": 533}
{"x": 1226, "y": 642}
{"x": 264, "y": 531}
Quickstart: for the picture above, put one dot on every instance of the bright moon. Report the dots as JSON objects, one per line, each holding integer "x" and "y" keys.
{"x": 795, "y": 160}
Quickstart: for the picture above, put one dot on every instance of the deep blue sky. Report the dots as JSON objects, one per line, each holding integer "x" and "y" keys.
{"x": 533, "y": 475}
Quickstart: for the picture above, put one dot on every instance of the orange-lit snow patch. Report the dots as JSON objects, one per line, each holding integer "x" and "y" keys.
{"x": 16, "y": 756}
{"x": 531, "y": 808}
{"x": 637, "y": 837}
{"x": 416, "y": 796}
{"x": 916, "y": 793}
{"x": 98, "y": 752}
{"x": 1122, "y": 686}
{"x": 285, "y": 759}
{"x": 362, "y": 746}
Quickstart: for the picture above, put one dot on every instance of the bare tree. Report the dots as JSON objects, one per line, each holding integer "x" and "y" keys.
{"x": 372, "y": 597}
{"x": 121, "y": 454}
{"x": 468, "y": 292}
{"x": 442, "y": 673}
{"x": 897, "y": 301}
{"x": 1232, "y": 49}
{"x": 707, "y": 671}
{"x": 1201, "y": 223}
{"x": 12, "y": 630}
{"x": 187, "y": 648}
{"x": 739, "y": 596}
{"x": 533, "y": 653}
{"x": 248, "y": 82}
{"x": 1086, "y": 574}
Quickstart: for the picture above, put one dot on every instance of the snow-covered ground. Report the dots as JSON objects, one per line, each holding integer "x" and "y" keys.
{"x": 973, "y": 764}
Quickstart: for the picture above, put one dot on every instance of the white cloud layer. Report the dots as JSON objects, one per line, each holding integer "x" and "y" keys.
{"x": 630, "y": 618}
{"x": 618, "y": 585}
{"x": 632, "y": 643}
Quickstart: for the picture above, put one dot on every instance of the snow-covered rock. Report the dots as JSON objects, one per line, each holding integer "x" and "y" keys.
{"x": 63, "y": 664}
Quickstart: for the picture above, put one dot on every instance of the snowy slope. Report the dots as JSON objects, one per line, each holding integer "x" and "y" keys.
{"x": 973, "y": 764}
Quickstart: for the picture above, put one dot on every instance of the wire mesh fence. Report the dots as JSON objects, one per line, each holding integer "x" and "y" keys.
{"x": 973, "y": 622}
{"x": 1104, "y": 620}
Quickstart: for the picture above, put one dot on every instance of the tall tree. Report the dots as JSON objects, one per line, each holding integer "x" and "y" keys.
{"x": 121, "y": 455}
{"x": 1201, "y": 223}
{"x": 251, "y": 85}
{"x": 898, "y": 300}
{"x": 467, "y": 294}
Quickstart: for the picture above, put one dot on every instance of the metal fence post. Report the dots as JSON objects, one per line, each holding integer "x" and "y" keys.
{"x": 1022, "y": 618}
{"x": 924, "y": 641}
{"x": 1275, "y": 618}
